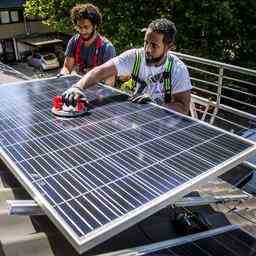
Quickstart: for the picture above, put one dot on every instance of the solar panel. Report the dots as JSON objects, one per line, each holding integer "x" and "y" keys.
{"x": 229, "y": 241}
{"x": 7, "y": 70}
{"x": 99, "y": 174}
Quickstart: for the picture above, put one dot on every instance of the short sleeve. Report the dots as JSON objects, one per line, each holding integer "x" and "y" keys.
{"x": 180, "y": 78}
{"x": 109, "y": 53}
{"x": 124, "y": 62}
{"x": 70, "y": 50}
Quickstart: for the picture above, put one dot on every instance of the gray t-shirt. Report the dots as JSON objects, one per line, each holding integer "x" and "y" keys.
{"x": 106, "y": 52}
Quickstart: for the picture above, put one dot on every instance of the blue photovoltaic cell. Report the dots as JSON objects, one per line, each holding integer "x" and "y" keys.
{"x": 97, "y": 168}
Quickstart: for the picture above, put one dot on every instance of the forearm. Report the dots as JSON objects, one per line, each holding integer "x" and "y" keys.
{"x": 89, "y": 79}
{"x": 68, "y": 66}
{"x": 96, "y": 75}
{"x": 110, "y": 81}
{"x": 65, "y": 71}
{"x": 178, "y": 107}
{"x": 180, "y": 102}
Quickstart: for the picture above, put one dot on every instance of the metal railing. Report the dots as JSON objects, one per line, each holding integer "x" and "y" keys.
{"x": 223, "y": 94}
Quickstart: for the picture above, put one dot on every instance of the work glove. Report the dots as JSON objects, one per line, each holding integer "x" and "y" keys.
{"x": 71, "y": 95}
{"x": 141, "y": 99}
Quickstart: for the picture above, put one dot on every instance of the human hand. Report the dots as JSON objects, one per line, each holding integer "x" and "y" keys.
{"x": 71, "y": 95}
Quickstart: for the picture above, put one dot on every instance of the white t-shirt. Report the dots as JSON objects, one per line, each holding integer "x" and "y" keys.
{"x": 153, "y": 75}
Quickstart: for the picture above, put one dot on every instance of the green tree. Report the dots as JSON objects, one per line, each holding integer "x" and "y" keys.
{"x": 222, "y": 30}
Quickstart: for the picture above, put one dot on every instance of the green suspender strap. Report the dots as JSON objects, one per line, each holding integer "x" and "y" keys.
{"x": 136, "y": 69}
{"x": 167, "y": 78}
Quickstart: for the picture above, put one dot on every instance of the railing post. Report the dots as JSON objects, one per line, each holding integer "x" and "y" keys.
{"x": 220, "y": 81}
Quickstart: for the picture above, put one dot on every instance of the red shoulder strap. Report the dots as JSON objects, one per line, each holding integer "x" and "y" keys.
{"x": 99, "y": 44}
{"x": 78, "y": 60}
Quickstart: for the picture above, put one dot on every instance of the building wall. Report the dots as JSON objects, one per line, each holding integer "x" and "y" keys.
{"x": 14, "y": 29}
{"x": 23, "y": 50}
{"x": 38, "y": 27}
{"x": 11, "y": 30}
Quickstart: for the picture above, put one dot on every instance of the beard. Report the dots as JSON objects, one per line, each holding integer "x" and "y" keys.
{"x": 87, "y": 37}
{"x": 150, "y": 60}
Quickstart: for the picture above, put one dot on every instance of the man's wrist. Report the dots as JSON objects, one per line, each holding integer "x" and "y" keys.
{"x": 78, "y": 87}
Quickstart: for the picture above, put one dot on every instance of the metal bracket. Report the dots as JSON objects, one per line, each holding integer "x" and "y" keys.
{"x": 24, "y": 207}
{"x": 197, "y": 201}
{"x": 30, "y": 207}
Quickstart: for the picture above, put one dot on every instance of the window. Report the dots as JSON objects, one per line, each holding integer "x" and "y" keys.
{"x": 5, "y": 18}
{"x": 14, "y": 16}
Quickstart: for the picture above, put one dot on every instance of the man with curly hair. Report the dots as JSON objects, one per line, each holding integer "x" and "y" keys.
{"x": 88, "y": 48}
{"x": 157, "y": 74}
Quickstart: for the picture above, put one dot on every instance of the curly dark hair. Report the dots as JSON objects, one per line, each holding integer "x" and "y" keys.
{"x": 86, "y": 11}
{"x": 165, "y": 27}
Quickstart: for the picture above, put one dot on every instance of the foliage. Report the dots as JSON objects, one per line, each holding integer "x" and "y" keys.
{"x": 222, "y": 30}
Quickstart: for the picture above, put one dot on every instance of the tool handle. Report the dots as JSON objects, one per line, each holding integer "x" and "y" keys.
{"x": 84, "y": 100}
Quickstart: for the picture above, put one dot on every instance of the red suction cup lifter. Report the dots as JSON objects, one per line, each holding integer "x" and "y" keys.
{"x": 80, "y": 105}
{"x": 57, "y": 102}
